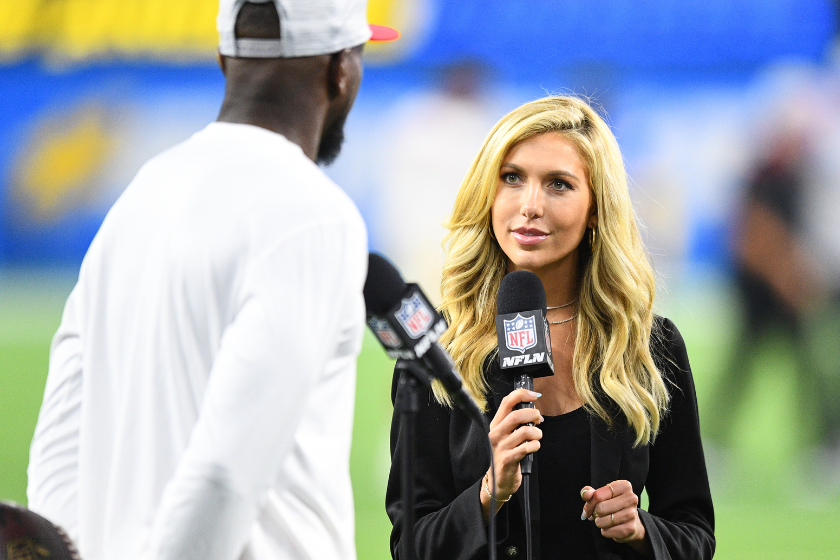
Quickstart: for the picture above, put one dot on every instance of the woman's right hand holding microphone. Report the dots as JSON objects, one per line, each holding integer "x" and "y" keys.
{"x": 511, "y": 440}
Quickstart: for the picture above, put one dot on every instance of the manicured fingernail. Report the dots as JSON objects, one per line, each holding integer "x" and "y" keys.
{"x": 541, "y": 419}
{"x": 583, "y": 515}
{"x": 538, "y": 395}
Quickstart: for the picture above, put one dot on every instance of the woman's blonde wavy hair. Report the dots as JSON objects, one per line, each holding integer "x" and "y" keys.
{"x": 612, "y": 363}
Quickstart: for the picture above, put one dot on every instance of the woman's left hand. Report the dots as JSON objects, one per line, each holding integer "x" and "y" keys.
{"x": 614, "y": 510}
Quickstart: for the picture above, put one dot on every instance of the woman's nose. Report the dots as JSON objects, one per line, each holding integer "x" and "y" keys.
{"x": 532, "y": 200}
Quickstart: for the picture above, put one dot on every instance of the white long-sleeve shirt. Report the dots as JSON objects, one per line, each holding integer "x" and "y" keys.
{"x": 199, "y": 402}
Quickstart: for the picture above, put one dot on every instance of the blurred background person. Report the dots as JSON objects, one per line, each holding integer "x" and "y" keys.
{"x": 782, "y": 271}
{"x": 431, "y": 136}
{"x": 777, "y": 280}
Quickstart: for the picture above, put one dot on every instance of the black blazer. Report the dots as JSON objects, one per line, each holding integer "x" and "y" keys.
{"x": 452, "y": 457}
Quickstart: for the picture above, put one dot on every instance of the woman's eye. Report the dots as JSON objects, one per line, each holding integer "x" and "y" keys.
{"x": 560, "y": 185}
{"x": 510, "y": 178}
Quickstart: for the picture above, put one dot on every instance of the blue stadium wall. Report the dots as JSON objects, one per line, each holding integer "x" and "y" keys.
{"x": 75, "y": 130}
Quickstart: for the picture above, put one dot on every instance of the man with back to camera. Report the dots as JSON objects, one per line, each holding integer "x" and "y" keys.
{"x": 199, "y": 402}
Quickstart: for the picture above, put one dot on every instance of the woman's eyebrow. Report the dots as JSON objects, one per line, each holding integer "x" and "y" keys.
{"x": 563, "y": 173}
{"x": 513, "y": 166}
{"x": 554, "y": 173}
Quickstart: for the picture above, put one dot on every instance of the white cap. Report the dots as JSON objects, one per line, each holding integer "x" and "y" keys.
{"x": 307, "y": 28}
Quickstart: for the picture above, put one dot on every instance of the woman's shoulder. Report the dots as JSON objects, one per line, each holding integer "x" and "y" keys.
{"x": 423, "y": 395}
{"x": 665, "y": 336}
{"x": 668, "y": 350}
{"x": 666, "y": 329}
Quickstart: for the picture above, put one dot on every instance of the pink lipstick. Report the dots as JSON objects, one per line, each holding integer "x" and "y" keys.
{"x": 529, "y": 236}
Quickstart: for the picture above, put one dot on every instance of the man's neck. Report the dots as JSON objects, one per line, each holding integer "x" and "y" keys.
{"x": 305, "y": 131}
{"x": 280, "y": 95}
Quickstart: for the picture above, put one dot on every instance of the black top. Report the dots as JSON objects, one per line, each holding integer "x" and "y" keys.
{"x": 452, "y": 458}
{"x": 564, "y": 457}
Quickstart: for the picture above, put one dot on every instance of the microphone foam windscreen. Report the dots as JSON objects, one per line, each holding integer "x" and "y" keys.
{"x": 384, "y": 286}
{"x": 520, "y": 290}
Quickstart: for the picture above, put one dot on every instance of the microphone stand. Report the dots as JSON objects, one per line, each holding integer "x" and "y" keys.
{"x": 525, "y": 381}
{"x": 407, "y": 406}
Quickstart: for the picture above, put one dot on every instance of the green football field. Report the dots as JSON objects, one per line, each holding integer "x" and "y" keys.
{"x": 773, "y": 499}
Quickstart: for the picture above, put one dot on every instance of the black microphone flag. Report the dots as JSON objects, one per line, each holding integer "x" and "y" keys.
{"x": 522, "y": 332}
{"x": 521, "y": 328}
{"x": 408, "y": 326}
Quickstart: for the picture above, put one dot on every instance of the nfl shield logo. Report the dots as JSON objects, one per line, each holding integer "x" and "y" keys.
{"x": 415, "y": 316}
{"x": 520, "y": 333}
{"x": 384, "y": 332}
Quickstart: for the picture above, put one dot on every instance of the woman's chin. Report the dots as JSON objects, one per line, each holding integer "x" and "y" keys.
{"x": 530, "y": 264}
{"x": 533, "y": 261}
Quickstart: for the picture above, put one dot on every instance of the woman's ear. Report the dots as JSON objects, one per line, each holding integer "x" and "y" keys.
{"x": 592, "y": 223}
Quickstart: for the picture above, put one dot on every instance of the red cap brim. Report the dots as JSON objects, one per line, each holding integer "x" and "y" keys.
{"x": 382, "y": 34}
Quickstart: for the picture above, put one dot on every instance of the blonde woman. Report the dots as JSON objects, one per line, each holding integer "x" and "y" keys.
{"x": 548, "y": 193}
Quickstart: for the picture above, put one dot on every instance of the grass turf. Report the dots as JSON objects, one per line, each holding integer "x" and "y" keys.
{"x": 767, "y": 506}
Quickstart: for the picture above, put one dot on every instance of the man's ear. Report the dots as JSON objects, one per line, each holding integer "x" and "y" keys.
{"x": 221, "y": 60}
{"x": 338, "y": 73}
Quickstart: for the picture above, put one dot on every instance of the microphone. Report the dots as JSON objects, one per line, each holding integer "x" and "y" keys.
{"x": 522, "y": 332}
{"x": 408, "y": 327}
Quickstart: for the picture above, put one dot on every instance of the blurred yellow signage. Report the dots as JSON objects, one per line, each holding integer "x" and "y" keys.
{"x": 77, "y": 29}
{"x": 167, "y": 29}
{"x": 59, "y": 165}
